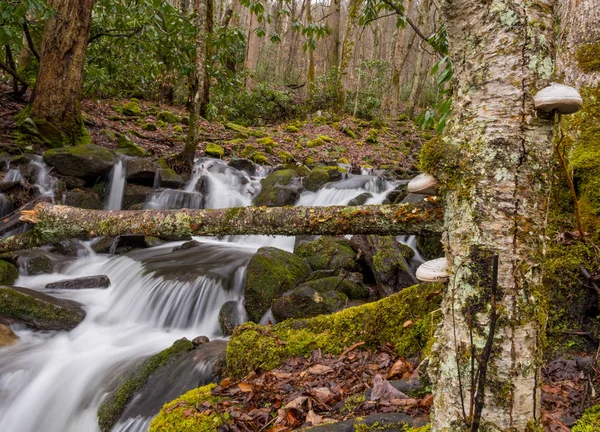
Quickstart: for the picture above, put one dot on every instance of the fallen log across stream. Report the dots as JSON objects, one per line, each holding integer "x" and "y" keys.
{"x": 55, "y": 223}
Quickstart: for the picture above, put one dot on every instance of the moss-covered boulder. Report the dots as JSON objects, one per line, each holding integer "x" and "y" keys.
{"x": 7, "y": 336}
{"x": 82, "y": 198}
{"x": 174, "y": 415}
{"x": 304, "y": 302}
{"x": 113, "y": 406}
{"x": 259, "y": 347}
{"x": 278, "y": 189}
{"x": 321, "y": 175}
{"x": 270, "y": 273}
{"x": 167, "y": 117}
{"x": 131, "y": 108}
{"x": 344, "y": 285}
{"x": 141, "y": 171}
{"x": 259, "y": 158}
{"x": 329, "y": 253}
{"x": 128, "y": 147}
{"x": 36, "y": 261}
{"x": 8, "y": 273}
{"x": 38, "y": 310}
{"x": 388, "y": 261}
{"x": 81, "y": 161}
{"x": 214, "y": 150}
{"x": 242, "y": 131}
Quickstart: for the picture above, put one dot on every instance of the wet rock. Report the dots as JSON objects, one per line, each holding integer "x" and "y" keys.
{"x": 7, "y": 336}
{"x": 305, "y": 302}
{"x": 229, "y": 317}
{"x": 83, "y": 199}
{"x": 103, "y": 244}
{"x": 200, "y": 340}
{"x": 350, "y": 289}
{"x": 72, "y": 182}
{"x": 321, "y": 175}
{"x": 70, "y": 248}
{"x": 38, "y": 310}
{"x": 81, "y": 161}
{"x": 169, "y": 178}
{"x": 127, "y": 243}
{"x": 8, "y": 273}
{"x": 187, "y": 245}
{"x": 270, "y": 273}
{"x": 280, "y": 188}
{"x": 127, "y": 147}
{"x": 141, "y": 171}
{"x": 430, "y": 247}
{"x": 100, "y": 281}
{"x": 387, "y": 260}
{"x": 244, "y": 165}
{"x": 38, "y": 261}
{"x": 361, "y": 199}
{"x": 320, "y": 274}
{"x": 135, "y": 194}
{"x": 329, "y": 253}
{"x": 9, "y": 186}
{"x": 397, "y": 195}
{"x": 412, "y": 198}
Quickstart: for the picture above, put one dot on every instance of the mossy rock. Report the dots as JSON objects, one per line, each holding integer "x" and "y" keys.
{"x": 214, "y": 150}
{"x": 285, "y": 157}
{"x": 131, "y": 108}
{"x": 169, "y": 178}
{"x": 259, "y": 158}
{"x": 8, "y": 273}
{"x": 113, "y": 406}
{"x": 350, "y": 289}
{"x": 316, "y": 142}
{"x": 81, "y": 161}
{"x": 255, "y": 347}
{"x": 174, "y": 417}
{"x": 321, "y": 175}
{"x": 149, "y": 127}
{"x": 86, "y": 199}
{"x": 361, "y": 199}
{"x": 38, "y": 310}
{"x": 248, "y": 150}
{"x": 178, "y": 129}
{"x": 167, "y": 117}
{"x": 7, "y": 336}
{"x": 430, "y": 247}
{"x": 267, "y": 142}
{"x": 292, "y": 129}
{"x": 128, "y": 147}
{"x": 328, "y": 253}
{"x": 372, "y": 137}
{"x": 229, "y": 317}
{"x": 243, "y": 131}
{"x": 270, "y": 273}
{"x": 305, "y": 302}
{"x": 278, "y": 189}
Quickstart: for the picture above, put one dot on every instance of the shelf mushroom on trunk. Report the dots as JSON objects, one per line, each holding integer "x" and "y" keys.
{"x": 558, "y": 97}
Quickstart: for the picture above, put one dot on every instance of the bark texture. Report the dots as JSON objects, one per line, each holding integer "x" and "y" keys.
{"x": 251, "y": 59}
{"x": 56, "y": 223}
{"x": 333, "y": 22}
{"x": 502, "y": 53}
{"x": 60, "y": 77}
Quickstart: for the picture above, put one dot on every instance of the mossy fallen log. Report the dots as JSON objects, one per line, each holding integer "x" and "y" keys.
{"x": 405, "y": 320}
{"x": 54, "y": 223}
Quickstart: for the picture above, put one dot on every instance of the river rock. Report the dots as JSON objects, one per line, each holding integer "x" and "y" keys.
{"x": 321, "y": 175}
{"x": 305, "y": 302}
{"x": 38, "y": 310}
{"x": 136, "y": 195}
{"x": 81, "y": 161}
{"x": 141, "y": 171}
{"x": 8, "y": 273}
{"x": 86, "y": 199}
{"x": 412, "y": 198}
{"x": 280, "y": 188}
{"x": 361, "y": 199}
{"x": 387, "y": 260}
{"x": 200, "y": 340}
{"x": 397, "y": 195}
{"x": 270, "y": 273}
{"x": 169, "y": 179}
{"x": 349, "y": 288}
{"x": 7, "y": 336}
{"x": 100, "y": 281}
{"x": 244, "y": 165}
{"x": 329, "y": 253}
{"x": 229, "y": 317}
{"x": 38, "y": 261}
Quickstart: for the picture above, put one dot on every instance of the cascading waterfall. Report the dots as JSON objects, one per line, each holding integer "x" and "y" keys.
{"x": 116, "y": 186}
{"x": 45, "y": 183}
{"x": 55, "y": 381}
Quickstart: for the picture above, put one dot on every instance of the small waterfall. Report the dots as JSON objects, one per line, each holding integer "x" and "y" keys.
{"x": 411, "y": 241}
{"x": 344, "y": 191}
{"x": 45, "y": 183}
{"x": 6, "y": 206}
{"x": 13, "y": 175}
{"x": 116, "y": 187}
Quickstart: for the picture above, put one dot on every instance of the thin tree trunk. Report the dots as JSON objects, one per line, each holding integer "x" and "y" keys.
{"x": 418, "y": 70}
{"x": 348, "y": 48}
{"x": 251, "y": 60}
{"x": 496, "y": 206}
{"x": 60, "y": 77}
{"x": 333, "y": 22}
{"x": 236, "y": 9}
{"x": 310, "y": 69}
{"x": 54, "y": 223}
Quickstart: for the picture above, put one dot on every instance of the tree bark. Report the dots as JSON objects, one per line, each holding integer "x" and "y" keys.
{"x": 59, "y": 81}
{"x": 310, "y": 69}
{"x": 418, "y": 70}
{"x": 333, "y": 22}
{"x": 348, "y": 48}
{"x": 251, "y": 60}
{"x": 502, "y": 53}
{"x": 53, "y": 223}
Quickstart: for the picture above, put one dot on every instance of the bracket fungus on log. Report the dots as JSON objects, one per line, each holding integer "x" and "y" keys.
{"x": 558, "y": 97}
{"x": 433, "y": 271}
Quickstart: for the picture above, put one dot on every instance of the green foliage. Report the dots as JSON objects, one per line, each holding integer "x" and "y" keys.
{"x": 366, "y": 99}
{"x": 589, "y": 422}
{"x": 14, "y": 13}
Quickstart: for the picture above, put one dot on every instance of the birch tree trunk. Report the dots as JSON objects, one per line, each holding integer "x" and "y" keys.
{"x": 56, "y": 105}
{"x": 310, "y": 68}
{"x": 348, "y": 48}
{"x": 502, "y": 53}
{"x": 251, "y": 60}
{"x": 333, "y": 22}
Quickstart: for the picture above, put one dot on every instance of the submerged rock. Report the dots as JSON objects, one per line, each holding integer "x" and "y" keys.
{"x": 100, "y": 281}
{"x": 38, "y": 310}
{"x": 81, "y": 161}
{"x": 270, "y": 273}
{"x": 7, "y": 336}
{"x": 280, "y": 188}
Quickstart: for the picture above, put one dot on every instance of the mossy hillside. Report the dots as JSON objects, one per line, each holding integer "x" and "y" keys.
{"x": 174, "y": 415}
{"x": 328, "y": 253}
{"x": 8, "y": 273}
{"x": 111, "y": 408}
{"x": 39, "y": 310}
{"x": 270, "y": 273}
{"x": 259, "y": 347}
{"x": 243, "y": 131}
{"x": 589, "y": 421}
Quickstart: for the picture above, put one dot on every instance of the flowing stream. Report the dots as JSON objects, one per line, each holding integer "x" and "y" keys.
{"x": 55, "y": 381}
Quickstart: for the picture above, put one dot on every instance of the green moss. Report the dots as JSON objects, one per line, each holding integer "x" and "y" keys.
{"x": 329, "y": 253}
{"x": 235, "y": 142}
{"x": 589, "y": 421}
{"x": 348, "y": 131}
{"x": 588, "y": 56}
{"x": 131, "y": 108}
{"x": 320, "y": 120}
{"x": 440, "y": 159}
{"x": 259, "y": 158}
{"x": 353, "y": 402}
{"x": 350, "y": 289}
{"x": 292, "y": 128}
{"x": 244, "y": 131}
{"x": 178, "y": 129}
{"x": 214, "y": 150}
{"x": 321, "y": 175}
{"x": 267, "y": 141}
{"x": 258, "y": 347}
{"x": 176, "y": 416}
{"x": 317, "y": 142}
{"x": 167, "y": 117}
{"x": 343, "y": 161}
{"x": 285, "y": 157}
{"x": 248, "y": 150}
{"x": 149, "y": 127}
{"x": 161, "y": 124}
{"x": 111, "y": 408}
{"x": 8, "y": 273}
{"x": 128, "y": 147}
{"x": 372, "y": 137}
{"x": 325, "y": 138}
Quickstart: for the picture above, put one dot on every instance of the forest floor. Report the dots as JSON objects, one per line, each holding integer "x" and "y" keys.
{"x": 568, "y": 383}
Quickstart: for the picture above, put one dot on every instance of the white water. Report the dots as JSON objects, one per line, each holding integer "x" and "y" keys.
{"x": 55, "y": 381}
{"x": 45, "y": 184}
{"x": 116, "y": 187}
